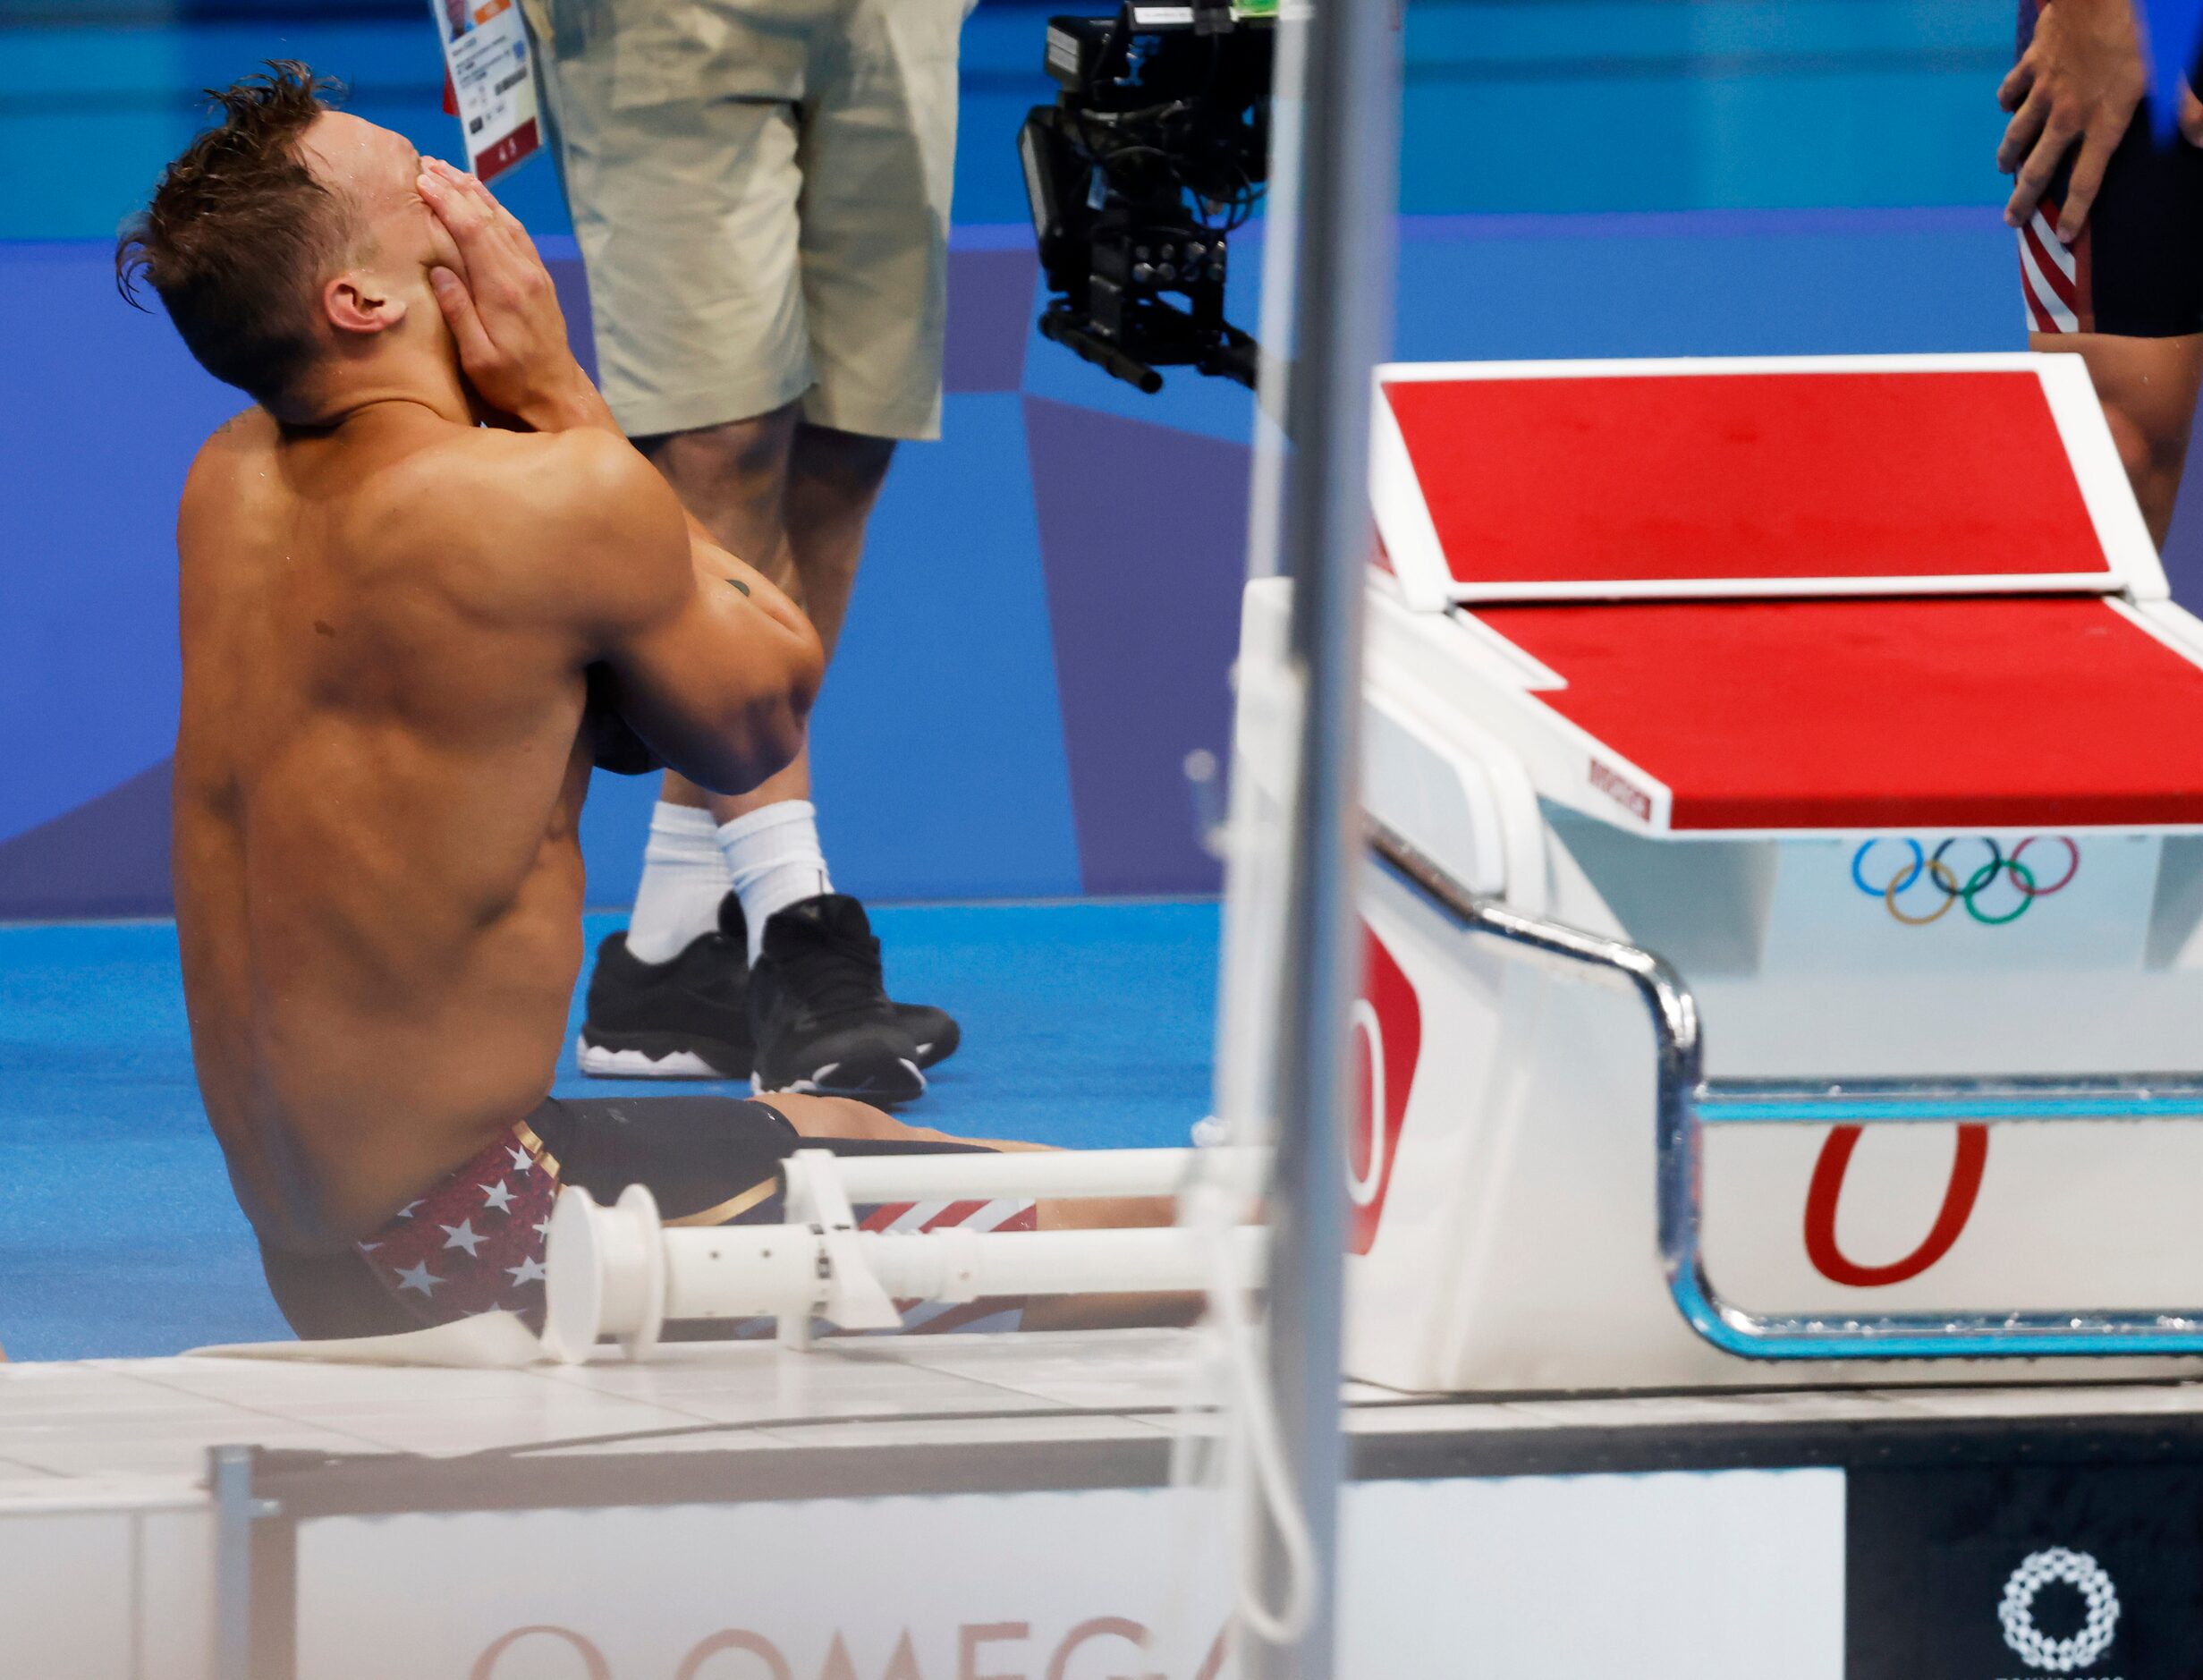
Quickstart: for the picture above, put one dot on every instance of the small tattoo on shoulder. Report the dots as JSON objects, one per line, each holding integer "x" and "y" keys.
{"x": 738, "y": 584}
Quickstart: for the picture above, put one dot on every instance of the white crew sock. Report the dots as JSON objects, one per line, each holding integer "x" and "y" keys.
{"x": 774, "y": 861}
{"x": 684, "y": 879}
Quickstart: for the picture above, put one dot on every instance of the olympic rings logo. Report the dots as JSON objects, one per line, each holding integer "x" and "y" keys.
{"x": 1932, "y": 873}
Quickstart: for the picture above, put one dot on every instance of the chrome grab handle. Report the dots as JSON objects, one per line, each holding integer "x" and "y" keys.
{"x": 1685, "y": 1102}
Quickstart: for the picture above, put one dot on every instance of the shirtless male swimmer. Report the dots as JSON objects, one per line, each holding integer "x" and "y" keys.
{"x": 425, "y": 584}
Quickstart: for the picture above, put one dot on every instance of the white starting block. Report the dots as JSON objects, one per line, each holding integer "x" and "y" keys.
{"x": 1850, "y": 687}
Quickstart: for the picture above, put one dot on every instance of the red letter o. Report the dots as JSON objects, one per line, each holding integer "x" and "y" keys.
{"x": 1827, "y": 1186}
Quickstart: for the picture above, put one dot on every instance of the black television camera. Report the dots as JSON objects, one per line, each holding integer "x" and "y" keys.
{"x": 1156, "y": 150}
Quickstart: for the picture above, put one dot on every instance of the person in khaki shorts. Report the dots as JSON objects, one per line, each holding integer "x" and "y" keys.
{"x": 760, "y": 190}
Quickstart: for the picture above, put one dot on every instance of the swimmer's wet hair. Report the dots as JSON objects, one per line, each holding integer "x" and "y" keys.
{"x": 240, "y": 233}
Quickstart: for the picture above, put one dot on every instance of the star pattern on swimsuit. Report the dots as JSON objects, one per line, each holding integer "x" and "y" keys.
{"x": 521, "y": 1160}
{"x": 406, "y": 1212}
{"x": 474, "y": 1242}
{"x": 461, "y": 1235}
{"x": 420, "y": 1278}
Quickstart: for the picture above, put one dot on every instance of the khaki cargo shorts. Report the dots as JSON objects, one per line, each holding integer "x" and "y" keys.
{"x": 760, "y": 190}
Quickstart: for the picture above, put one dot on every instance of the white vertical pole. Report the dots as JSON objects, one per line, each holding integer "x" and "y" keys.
{"x": 1328, "y": 281}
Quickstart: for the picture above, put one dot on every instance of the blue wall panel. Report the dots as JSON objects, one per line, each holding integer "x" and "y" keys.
{"x": 1712, "y": 158}
{"x": 1708, "y": 283}
{"x": 938, "y": 741}
{"x": 100, "y": 413}
{"x": 941, "y": 739}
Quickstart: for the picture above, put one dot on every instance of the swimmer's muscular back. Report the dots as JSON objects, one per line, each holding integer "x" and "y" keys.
{"x": 381, "y": 764}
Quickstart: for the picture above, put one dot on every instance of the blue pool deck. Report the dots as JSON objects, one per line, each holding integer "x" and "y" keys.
{"x": 1085, "y": 1024}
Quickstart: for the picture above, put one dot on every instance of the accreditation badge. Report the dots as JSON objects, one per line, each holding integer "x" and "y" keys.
{"x": 490, "y": 82}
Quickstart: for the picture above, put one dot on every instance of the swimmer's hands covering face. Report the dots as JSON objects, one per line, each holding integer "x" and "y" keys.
{"x": 503, "y": 311}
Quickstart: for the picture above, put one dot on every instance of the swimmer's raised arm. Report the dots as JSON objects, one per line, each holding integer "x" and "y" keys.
{"x": 710, "y": 665}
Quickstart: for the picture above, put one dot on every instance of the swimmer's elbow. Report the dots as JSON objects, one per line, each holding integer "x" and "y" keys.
{"x": 733, "y": 722}
{"x": 777, "y": 718}
{"x": 807, "y": 670}
{"x": 764, "y": 742}
{"x": 754, "y": 738}
{"x": 790, "y": 727}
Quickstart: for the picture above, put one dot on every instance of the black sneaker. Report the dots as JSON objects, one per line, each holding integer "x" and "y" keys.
{"x": 684, "y": 1019}
{"x": 689, "y": 1018}
{"x": 934, "y": 1030}
{"x": 818, "y": 1013}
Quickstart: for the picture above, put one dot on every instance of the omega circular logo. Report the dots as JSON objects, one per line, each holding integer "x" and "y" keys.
{"x": 2017, "y": 1611}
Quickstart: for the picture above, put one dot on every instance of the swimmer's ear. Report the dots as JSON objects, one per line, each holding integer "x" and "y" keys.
{"x": 355, "y": 302}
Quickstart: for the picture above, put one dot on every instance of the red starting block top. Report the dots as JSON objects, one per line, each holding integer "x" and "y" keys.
{"x": 1960, "y": 712}
{"x": 1843, "y": 475}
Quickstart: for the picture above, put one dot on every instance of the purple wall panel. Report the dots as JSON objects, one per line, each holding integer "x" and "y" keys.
{"x": 2184, "y": 543}
{"x": 107, "y": 857}
{"x": 1143, "y": 535}
{"x": 990, "y": 306}
{"x": 990, "y": 301}
{"x": 572, "y": 278}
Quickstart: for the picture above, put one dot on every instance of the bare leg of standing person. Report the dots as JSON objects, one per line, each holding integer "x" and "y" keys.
{"x": 768, "y": 280}
{"x": 798, "y": 497}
